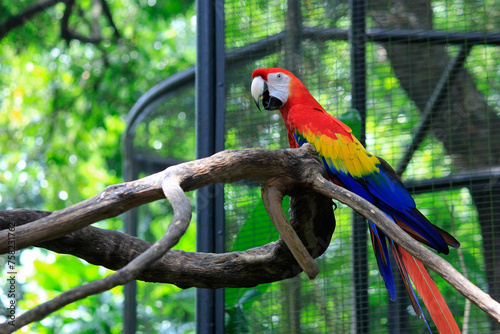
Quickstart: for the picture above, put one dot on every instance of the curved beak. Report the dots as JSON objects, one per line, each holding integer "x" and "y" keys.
{"x": 260, "y": 88}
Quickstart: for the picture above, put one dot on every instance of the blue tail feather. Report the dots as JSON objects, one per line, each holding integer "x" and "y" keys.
{"x": 382, "y": 255}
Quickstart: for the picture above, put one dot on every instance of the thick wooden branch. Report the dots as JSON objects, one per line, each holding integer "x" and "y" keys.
{"x": 311, "y": 216}
{"x": 188, "y": 176}
{"x": 176, "y": 229}
{"x": 273, "y": 198}
{"x": 296, "y": 172}
{"x": 284, "y": 169}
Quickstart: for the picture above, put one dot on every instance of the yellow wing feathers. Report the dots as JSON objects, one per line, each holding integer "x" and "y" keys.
{"x": 343, "y": 154}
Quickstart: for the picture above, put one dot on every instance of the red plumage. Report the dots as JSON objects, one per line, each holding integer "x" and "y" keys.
{"x": 427, "y": 289}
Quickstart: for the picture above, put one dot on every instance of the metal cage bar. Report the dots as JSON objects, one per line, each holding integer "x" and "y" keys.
{"x": 139, "y": 111}
{"x": 357, "y": 41}
{"x": 210, "y": 109}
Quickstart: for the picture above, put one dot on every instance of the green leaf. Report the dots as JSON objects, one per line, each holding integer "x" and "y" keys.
{"x": 353, "y": 120}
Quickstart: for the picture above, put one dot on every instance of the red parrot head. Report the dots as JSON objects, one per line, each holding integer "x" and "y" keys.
{"x": 279, "y": 89}
{"x": 273, "y": 86}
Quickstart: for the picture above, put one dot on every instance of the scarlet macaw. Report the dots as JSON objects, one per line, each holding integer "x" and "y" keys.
{"x": 351, "y": 166}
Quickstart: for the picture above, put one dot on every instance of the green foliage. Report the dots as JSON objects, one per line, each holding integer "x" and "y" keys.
{"x": 353, "y": 120}
{"x": 62, "y": 115}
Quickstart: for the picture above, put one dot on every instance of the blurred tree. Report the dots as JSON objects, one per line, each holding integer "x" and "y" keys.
{"x": 70, "y": 72}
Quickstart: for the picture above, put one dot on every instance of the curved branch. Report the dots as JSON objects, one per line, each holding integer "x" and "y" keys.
{"x": 311, "y": 215}
{"x": 182, "y": 216}
{"x": 296, "y": 172}
{"x": 282, "y": 168}
{"x": 190, "y": 175}
{"x": 272, "y": 198}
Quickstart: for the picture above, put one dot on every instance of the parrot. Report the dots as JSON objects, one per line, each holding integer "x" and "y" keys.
{"x": 349, "y": 164}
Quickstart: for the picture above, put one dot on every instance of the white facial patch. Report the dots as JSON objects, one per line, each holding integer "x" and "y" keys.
{"x": 278, "y": 85}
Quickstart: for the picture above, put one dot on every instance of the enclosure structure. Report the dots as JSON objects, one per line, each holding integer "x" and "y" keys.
{"x": 417, "y": 81}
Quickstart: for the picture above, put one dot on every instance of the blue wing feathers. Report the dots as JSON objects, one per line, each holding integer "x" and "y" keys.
{"x": 426, "y": 229}
{"x": 388, "y": 190}
{"x": 385, "y": 190}
{"x": 390, "y": 195}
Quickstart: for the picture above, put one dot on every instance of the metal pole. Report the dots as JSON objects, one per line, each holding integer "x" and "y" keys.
{"x": 357, "y": 40}
{"x": 130, "y": 220}
{"x": 291, "y": 289}
{"x": 130, "y": 289}
{"x": 293, "y": 37}
{"x": 210, "y": 139}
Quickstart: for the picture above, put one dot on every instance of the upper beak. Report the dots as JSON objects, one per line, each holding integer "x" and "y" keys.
{"x": 259, "y": 87}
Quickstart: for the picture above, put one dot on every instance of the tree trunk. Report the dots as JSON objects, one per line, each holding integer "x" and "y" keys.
{"x": 465, "y": 124}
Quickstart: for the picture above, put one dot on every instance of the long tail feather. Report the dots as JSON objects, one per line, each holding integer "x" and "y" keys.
{"x": 427, "y": 289}
{"x": 407, "y": 282}
{"x": 447, "y": 238}
{"x": 382, "y": 255}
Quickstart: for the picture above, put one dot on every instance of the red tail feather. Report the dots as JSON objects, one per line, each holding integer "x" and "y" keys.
{"x": 406, "y": 281}
{"x": 427, "y": 289}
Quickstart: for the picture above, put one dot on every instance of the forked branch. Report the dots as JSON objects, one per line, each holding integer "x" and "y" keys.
{"x": 296, "y": 172}
{"x": 180, "y": 222}
{"x": 255, "y": 164}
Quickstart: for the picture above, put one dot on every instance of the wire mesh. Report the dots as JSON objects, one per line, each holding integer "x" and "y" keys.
{"x": 460, "y": 139}
{"x": 401, "y": 77}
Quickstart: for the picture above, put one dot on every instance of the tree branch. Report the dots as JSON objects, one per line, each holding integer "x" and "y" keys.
{"x": 189, "y": 176}
{"x": 272, "y": 198}
{"x": 269, "y": 263}
{"x": 20, "y": 19}
{"x": 296, "y": 172}
{"x": 396, "y": 233}
{"x": 274, "y": 168}
{"x": 68, "y": 34}
{"x": 109, "y": 16}
{"x": 180, "y": 222}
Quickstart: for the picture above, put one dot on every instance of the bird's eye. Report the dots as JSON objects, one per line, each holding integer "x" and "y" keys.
{"x": 278, "y": 76}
